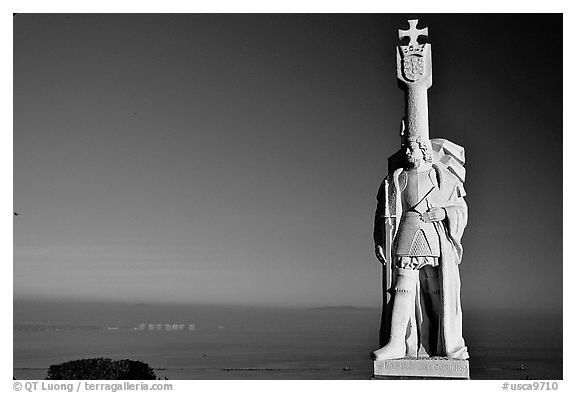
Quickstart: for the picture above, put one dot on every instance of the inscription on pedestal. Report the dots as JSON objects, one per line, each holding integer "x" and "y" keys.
{"x": 423, "y": 367}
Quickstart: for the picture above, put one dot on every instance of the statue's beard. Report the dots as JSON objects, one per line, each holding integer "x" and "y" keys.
{"x": 412, "y": 163}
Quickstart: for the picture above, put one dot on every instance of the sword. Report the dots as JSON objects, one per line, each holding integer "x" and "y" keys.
{"x": 388, "y": 240}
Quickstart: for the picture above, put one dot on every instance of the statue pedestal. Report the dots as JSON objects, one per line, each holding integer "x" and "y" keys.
{"x": 421, "y": 368}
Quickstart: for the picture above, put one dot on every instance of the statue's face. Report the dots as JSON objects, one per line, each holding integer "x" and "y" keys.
{"x": 414, "y": 156}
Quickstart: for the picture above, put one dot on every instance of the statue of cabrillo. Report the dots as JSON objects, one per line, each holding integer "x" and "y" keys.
{"x": 420, "y": 217}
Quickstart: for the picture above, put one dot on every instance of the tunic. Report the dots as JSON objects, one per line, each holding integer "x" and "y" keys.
{"x": 417, "y": 243}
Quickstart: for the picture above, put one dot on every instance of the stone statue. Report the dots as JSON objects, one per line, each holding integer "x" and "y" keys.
{"x": 419, "y": 222}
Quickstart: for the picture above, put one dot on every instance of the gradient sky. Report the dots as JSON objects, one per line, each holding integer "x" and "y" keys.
{"x": 236, "y": 158}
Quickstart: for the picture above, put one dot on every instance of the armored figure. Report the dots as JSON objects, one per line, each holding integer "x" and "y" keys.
{"x": 428, "y": 201}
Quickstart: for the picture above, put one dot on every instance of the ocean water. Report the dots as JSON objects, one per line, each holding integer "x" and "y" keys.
{"x": 238, "y": 342}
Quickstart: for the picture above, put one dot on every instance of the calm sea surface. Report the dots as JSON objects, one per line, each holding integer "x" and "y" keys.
{"x": 228, "y": 342}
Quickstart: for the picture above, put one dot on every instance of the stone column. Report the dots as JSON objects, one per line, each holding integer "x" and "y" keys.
{"x": 414, "y": 72}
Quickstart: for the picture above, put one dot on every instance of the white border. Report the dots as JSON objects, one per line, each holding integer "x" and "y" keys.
{"x": 300, "y": 6}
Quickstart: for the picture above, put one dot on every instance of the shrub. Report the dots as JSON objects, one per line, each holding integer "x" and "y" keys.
{"x": 101, "y": 368}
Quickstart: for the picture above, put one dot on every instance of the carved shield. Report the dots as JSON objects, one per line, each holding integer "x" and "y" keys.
{"x": 413, "y": 67}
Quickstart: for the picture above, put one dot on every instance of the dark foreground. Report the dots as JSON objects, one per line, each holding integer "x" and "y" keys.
{"x": 264, "y": 343}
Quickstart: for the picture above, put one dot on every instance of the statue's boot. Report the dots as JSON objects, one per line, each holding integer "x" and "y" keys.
{"x": 402, "y": 309}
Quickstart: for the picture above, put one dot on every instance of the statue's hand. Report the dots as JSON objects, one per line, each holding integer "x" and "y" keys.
{"x": 434, "y": 214}
{"x": 379, "y": 251}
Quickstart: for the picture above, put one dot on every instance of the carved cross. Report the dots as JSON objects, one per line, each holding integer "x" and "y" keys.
{"x": 413, "y": 32}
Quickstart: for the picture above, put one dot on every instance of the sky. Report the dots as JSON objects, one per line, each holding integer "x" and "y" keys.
{"x": 235, "y": 159}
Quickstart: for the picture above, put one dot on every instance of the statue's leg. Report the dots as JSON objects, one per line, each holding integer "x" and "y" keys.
{"x": 402, "y": 309}
{"x": 423, "y": 303}
{"x": 433, "y": 293}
